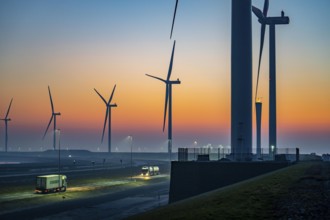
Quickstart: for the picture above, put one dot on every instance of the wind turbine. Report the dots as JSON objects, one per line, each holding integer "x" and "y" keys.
{"x": 168, "y": 99}
{"x": 6, "y": 119}
{"x": 176, "y": 5}
{"x": 107, "y": 114}
{"x": 272, "y": 22}
{"x": 53, "y": 116}
{"x": 258, "y": 103}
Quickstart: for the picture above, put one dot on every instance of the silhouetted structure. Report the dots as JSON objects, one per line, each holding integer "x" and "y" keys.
{"x": 6, "y": 120}
{"x": 271, "y": 21}
{"x": 258, "y": 103}
{"x": 183, "y": 154}
{"x": 241, "y": 80}
{"x": 53, "y": 116}
{"x": 191, "y": 178}
{"x": 107, "y": 114}
{"x": 168, "y": 100}
{"x": 176, "y": 5}
{"x": 258, "y": 119}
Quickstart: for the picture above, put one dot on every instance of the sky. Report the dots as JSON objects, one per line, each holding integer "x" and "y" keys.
{"x": 74, "y": 46}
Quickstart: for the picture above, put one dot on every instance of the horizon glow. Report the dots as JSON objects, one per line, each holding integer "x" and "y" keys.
{"x": 76, "y": 46}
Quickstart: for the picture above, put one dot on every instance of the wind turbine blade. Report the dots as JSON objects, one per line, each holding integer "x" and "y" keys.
{"x": 100, "y": 96}
{"x": 51, "y": 100}
{"x": 176, "y": 5}
{"x": 171, "y": 63}
{"x": 265, "y": 10}
{"x": 258, "y": 12}
{"x": 51, "y": 119}
{"x": 165, "y": 109}
{"x": 9, "y": 108}
{"x": 113, "y": 91}
{"x": 262, "y": 37}
{"x": 156, "y": 78}
{"x": 105, "y": 123}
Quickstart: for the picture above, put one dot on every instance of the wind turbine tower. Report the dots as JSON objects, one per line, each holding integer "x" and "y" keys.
{"x": 272, "y": 22}
{"x": 107, "y": 116}
{"x": 53, "y": 116}
{"x": 241, "y": 80}
{"x": 6, "y": 119}
{"x": 168, "y": 100}
{"x": 258, "y": 105}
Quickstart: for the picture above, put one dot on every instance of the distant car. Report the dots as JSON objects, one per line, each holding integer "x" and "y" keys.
{"x": 150, "y": 170}
{"x": 51, "y": 183}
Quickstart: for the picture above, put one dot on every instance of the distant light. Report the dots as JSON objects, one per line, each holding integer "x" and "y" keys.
{"x": 259, "y": 100}
{"x": 70, "y": 155}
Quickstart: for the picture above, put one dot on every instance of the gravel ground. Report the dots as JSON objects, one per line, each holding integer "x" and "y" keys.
{"x": 309, "y": 198}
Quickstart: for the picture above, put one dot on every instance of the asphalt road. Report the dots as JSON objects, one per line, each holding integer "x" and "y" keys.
{"x": 134, "y": 198}
{"x": 94, "y": 192}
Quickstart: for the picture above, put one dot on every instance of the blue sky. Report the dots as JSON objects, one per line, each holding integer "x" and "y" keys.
{"x": 75, "y": 46}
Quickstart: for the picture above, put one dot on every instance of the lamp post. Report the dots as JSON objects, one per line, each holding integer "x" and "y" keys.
{"x": 59, "y": 156}
{"x": 272, "y": 150}
{"x": 195, "y": 149}
{"x": 223, "y": 151}
{"x": 131, "y": 139}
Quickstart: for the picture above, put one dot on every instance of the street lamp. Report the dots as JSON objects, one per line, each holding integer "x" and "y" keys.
{"x": 223, "y": 150}
{"x": 131, "y": 139}
{"x": 59, "y": 156}
{"x": 272, "y": 147}
{"x": 195, "y": 148}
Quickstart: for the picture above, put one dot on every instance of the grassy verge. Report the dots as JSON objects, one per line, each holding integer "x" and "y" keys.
{"x": 253, "y": 199}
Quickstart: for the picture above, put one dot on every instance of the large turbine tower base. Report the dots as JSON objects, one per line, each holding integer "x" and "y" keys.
{"x": 241, "y": 80}
{"x": 272, "y": 92}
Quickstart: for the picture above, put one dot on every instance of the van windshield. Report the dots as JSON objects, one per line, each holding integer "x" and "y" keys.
{"x": 145, "y": 170}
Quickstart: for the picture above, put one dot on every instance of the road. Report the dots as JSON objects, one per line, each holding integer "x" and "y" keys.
{"x": 93, "y": 193}
{"x": 131, "y": 199}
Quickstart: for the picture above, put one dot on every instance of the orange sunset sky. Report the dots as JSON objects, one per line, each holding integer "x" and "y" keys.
{"x": 76, "y": 46}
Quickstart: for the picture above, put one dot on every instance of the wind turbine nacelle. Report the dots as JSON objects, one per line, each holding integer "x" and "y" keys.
{"x": 175, "y": 82}
{"x": 5, "y": 119}
{"x": 275, "y": 20}
{"x": 58, "y": 113}
{"x": 113, "y": 105}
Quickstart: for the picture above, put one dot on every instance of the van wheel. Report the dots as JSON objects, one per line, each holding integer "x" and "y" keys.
{"x": 63, "y": 189}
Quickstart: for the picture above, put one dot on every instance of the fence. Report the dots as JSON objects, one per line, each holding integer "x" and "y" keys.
{"x": 206, "y": 154}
